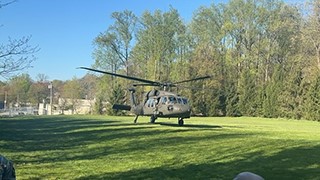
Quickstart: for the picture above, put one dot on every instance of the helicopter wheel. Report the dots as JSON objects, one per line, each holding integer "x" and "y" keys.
{"x": 153, "y": 119}
{"x": 180, "y": 121}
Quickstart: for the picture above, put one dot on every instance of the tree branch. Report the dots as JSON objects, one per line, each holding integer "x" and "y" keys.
{"x": 6, "y": 4}
{"x": 16, "y": 56}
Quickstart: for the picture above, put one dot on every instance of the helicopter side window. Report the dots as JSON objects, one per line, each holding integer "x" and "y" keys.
{"x": 154, "y": 102}
{"x": 179, "y": 100}
{"x": 150, "y": 102}
{"x": 164, "y": 100}
{"x": 172, "y": 100}
{"x": 185, "y": 101}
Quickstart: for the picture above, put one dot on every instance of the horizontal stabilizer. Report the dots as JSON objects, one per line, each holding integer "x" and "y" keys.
{"x": 121, "y": 107}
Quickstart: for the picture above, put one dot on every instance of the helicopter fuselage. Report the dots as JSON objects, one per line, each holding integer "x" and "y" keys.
{"x": 166, "y": 104}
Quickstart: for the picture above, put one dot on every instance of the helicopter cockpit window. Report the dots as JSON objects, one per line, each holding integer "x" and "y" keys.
{"x": 172, "y": 100}
{"x": 185, "y": 101}
{"x": 164, "y": 100}
{"x": 179, "y": 100}
{"x": 151, "y": 103}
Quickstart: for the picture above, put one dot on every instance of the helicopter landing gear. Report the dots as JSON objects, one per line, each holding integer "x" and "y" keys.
{"x": 153, "y": 119}
{"x": 135, "y": 119}
{"x": 180, "y": 122}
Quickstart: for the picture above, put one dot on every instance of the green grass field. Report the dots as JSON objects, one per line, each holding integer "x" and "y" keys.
{"x": 100, "y": 147}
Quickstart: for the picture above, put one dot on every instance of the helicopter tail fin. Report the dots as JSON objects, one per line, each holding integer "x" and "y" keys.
{"x": 121, "y": 107}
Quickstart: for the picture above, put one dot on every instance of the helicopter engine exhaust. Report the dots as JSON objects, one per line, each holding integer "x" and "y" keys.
{"x": 121, "y": 107}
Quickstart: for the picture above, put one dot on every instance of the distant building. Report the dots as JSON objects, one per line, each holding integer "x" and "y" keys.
{"x": 67, "y": 106}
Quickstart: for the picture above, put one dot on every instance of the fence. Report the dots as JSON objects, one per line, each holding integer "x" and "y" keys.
{"x": 16, "y": 111}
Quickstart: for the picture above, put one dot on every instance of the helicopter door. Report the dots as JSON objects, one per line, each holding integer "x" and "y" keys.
{"x": 162, "y": 101}
{"x": 151, "y": 107}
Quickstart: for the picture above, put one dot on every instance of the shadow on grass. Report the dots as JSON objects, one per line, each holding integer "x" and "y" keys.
{"x": 64, "y": 138}
{"x": 287, "y": 164}
{"x": 199, "y": 126}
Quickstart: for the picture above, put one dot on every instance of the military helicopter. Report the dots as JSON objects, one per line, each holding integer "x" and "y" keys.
{"x": 157, "y": 103}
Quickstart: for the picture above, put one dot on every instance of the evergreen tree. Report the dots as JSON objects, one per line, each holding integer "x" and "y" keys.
{"x": 232, "y": 101}
{"x": 313, "y": 100}
{"x": 117, "y": 96}
{"x": 98, "y": 105}
{"x": 247, "y": 93}
{"x": 103, "y": 91}
{"x": 291, "y": 97}
{"x": 272, "y": 91}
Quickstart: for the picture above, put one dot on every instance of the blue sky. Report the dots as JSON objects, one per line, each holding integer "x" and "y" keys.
{"x": 65, "y": 29}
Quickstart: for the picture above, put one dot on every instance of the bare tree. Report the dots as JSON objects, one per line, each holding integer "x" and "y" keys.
{"x": 16, "y": 54}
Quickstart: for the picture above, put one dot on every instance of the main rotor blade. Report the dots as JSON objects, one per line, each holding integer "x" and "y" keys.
{"x": 194, "y": 88}
{"x": 153, "y": 83}
{"x": 195, "y": 79}
{"x": 145, "y": 85}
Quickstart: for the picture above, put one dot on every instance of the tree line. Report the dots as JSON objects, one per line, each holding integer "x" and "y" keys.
{"x": 21, "y": 90}
{"x": 264, "y": 56}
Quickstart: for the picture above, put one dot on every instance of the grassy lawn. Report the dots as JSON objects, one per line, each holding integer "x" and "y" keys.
{"x": 101, "y": 147}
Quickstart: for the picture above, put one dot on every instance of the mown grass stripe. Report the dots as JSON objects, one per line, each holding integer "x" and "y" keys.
{"x": 101, "y": 147}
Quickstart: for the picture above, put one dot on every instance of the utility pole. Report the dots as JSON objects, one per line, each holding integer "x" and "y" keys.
{"x": 51, "y": 96}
